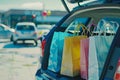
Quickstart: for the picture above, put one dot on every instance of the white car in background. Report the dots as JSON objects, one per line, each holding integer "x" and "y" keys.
{"x": 43, "y": 30}
{"x": 25, "y": 31}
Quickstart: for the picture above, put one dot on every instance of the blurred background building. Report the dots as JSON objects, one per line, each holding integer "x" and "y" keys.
{"x": 13, "y": 16}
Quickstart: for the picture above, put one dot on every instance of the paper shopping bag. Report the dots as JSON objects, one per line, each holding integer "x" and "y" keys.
{"x": 98, "y": 51}
{"x": 71, "y": 56}
{"x": 56, "y": 50}
{"x": 84, "y": 58}
{"x": 103, "y": 44}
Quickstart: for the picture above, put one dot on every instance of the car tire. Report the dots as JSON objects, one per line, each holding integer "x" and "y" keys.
{"x": 14, "y": 42}
{"x": 36, "y": 43}
{"x": 41, "y": 39}
{"x": 11, "y": 38}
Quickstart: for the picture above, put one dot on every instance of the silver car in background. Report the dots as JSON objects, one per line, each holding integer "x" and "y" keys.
{"x": 25, "y": 31}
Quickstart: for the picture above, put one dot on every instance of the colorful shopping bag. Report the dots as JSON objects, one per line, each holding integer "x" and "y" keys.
{"x": 98, "y": 51}
{"x": 56, "y": 51}
{"x": 92, "y": 60}
{"x": 84, "y": 58}
{"x": 71, "y": 56}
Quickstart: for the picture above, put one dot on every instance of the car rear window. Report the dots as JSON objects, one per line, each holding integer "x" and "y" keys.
{"x": 25, "y": 27}
{"x": 75, "y": 22}
{"x": 108, "y": 24}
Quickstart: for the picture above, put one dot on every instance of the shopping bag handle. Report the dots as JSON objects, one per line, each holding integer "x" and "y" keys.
{"x": 105, "y": 24}
{"x": 84, "y": 28}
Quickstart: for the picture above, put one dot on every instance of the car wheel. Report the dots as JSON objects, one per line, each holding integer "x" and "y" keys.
{"x": 11, "y": 38}
{"x": 41, "y": 39}
{"x": 14, "y": 42}
{"x": 23, "y": 41}
{"x": 36, "y": 43}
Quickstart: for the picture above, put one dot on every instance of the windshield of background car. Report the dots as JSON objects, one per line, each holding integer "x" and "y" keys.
{"x": 25, "y": 27}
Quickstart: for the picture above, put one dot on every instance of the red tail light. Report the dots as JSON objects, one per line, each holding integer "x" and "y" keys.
{"x": 43, "y": 46}
{"x": 15, "y": 32}
{"x": 35, "y": 32}
{"x": 117, "y": 73}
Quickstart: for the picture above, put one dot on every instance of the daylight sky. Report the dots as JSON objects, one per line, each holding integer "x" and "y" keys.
{"x": 31, "y": 4}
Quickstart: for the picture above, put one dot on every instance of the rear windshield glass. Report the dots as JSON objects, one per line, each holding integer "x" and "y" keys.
{"x": 76, "y": 21}
{"x": 25, "y": 27}
{"x": 108, "y": 24}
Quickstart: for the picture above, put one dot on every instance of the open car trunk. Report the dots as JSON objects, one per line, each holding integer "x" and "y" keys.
{"x": 110, "y": 65}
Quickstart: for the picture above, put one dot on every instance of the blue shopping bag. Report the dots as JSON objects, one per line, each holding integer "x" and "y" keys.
{"x": 98, "y": 51}
{"x": 56, "y": 50}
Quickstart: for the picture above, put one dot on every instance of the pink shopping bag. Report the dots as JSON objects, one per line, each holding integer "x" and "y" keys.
{"x": 84, "y": 58}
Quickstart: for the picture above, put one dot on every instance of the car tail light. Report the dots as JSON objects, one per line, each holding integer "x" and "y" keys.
{"x": 35, "y": 32}
{"x": 16, "y": 33}
{"x": 117, "y": 73}
{"x": 43, "y": 46}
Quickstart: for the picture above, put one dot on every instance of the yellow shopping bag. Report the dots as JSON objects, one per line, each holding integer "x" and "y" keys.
{"x": 71, "y": 56}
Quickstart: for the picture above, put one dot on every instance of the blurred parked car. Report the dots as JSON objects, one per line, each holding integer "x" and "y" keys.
{"x": 43, "y": 30}
{"x": 5, "y": 31}
{"x": 88, "y": 15}
{"x": 25, "y": 31}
